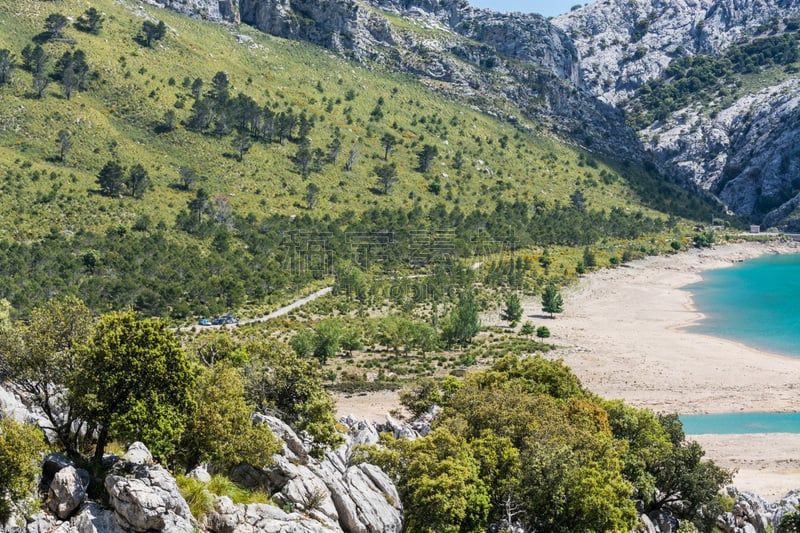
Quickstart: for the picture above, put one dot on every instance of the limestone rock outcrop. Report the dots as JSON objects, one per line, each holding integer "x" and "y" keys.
{"x": 146, "y": 497}
{"x": 67, "y": 491}
{"x": 625, "y": 44}
{"x": 336, "y": 494}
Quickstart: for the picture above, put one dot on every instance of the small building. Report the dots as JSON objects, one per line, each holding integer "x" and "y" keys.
{"x": 755, "y": 229}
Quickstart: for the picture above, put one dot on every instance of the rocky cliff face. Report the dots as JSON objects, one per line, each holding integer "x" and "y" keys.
{"x": 747, "y": 154}
{"x": 624, "y": 44}
{"x": 744, "y": 152}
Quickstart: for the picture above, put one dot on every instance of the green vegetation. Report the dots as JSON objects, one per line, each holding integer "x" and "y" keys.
{"x": 21, "y": 451}
{"x": 145, "y": 390}
{"x": 221, "y": 431}
{"x": 181, "y": 168}
{"x": 524, "y": 442}
{"x": 42, "y": 357}
{"x": 463, "y": 322}
{"x": 513, "y": 310}
{"x": 707, "y": 78}
{"x": 188, "y": 406}
{"x": 201, "y": 496}
{"x": 551, "y": 301}
{"x": 148, "y": 161}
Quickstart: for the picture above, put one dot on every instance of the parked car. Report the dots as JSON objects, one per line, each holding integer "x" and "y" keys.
{"x": 204, "y": 322}
{"x": 218, "y": 321}
{"x": 230, "y": 319}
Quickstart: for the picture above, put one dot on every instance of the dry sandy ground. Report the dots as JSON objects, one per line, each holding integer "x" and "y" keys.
{"x": 624, "y": 338}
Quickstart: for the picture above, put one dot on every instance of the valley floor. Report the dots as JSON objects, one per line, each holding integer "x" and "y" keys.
{"x": 623, "y": 335}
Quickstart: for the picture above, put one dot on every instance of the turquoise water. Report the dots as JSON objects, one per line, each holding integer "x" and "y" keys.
{"x": 736, "y": 423}
{"x": 755, "y": 302}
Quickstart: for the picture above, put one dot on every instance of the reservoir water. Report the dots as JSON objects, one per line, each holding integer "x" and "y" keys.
{"x": 757, "y": 303}
{"x": 738, "y": 423}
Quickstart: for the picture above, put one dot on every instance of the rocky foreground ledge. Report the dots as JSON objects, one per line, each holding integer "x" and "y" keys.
{"x": 330, "y": 495}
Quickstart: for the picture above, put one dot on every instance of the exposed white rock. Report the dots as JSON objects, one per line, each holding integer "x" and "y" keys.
{"x": 93, "y": 518}
{"x": 200, "y": 474}
{"x": 146, "y": 497}
{"x": 67, "y": 491}
{"x": 747, "y": 153}
{"x": 138, "y": 454}
{"x": 624, "y": 44}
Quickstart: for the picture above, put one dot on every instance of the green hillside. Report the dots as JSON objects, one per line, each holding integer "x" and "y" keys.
{"x": 142, "y": 105}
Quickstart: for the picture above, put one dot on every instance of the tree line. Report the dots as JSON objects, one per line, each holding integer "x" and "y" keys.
{"x": 248, "y": 258}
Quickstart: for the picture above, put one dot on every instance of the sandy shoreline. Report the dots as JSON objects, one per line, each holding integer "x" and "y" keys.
{"x": 625, "y": 337}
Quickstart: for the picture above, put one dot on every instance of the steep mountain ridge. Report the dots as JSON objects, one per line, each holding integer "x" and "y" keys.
{"x": 735, "y": 135}
{"x": 625, "y": 44}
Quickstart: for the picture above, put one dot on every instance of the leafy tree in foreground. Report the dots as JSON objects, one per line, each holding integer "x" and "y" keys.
{"x": 543, "y": 450}
{"x": 221, "y": 430}
{"x": 441, "y": 487}
{"x": 686, "y": 483}
{"x": 21, "y": 450}
{"x": 513, "y": 309}
{"x": 552, "y": 302}
{"x": 145, "y": 393}
{"x": 277, "y": 379}
{"x": 40, "y": 359}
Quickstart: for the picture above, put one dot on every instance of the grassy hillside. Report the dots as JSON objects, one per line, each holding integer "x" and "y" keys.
{"x": 119, "y": 113}
{"x": 138, "y": 106}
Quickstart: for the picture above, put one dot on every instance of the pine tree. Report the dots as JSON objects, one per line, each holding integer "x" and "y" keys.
{"x": 513, "y": 310}
{"x": 111, "y": 178}
{"x": 551, "y": 301}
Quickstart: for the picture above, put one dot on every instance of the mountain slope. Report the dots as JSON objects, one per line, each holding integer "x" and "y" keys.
{"x": 284, "y": 142}
{"x": 711, "y": 88}
{"x": 490, "y": 59}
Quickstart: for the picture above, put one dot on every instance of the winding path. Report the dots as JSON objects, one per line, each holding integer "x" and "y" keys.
{"x": 286, "y": 309}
